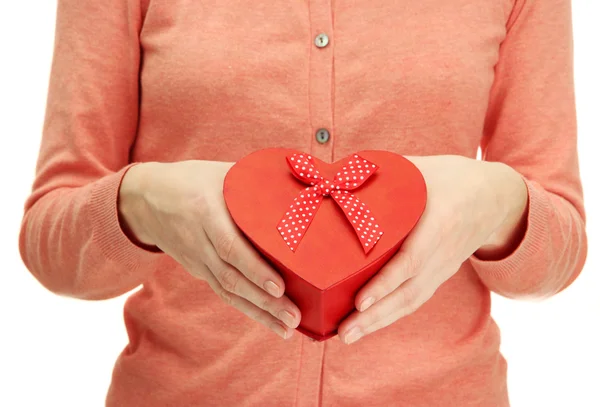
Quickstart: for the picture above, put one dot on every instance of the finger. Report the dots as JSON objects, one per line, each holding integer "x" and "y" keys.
{"x": 234, "y": 249}
{"x": 249, "y": 309}
{"x": 236, "y": 283}
{"x": 403, "y": 301}
{"x": 419, "y": 252}
{"x": 403, "y": 266}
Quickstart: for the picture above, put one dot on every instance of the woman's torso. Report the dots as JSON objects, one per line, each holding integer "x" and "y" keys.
{"x": 220, "y": 79}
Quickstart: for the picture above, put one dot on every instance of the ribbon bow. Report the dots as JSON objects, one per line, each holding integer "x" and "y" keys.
{"x": 296, "y": 221}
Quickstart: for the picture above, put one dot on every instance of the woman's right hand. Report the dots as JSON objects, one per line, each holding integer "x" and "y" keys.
{"x": 179, "y": 208}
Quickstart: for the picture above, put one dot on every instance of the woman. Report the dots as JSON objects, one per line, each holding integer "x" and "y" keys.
{"x": 150, "y": 102}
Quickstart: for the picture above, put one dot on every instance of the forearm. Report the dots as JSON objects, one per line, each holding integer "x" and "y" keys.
{"x": 540, "y": 246}
{"x": 133, "y": 208}
{"x": 72, "y": 242}
{"x": 511, "y": 211}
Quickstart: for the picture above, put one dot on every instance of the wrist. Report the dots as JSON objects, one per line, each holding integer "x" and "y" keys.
{"x": 132, "y": 205}
{"x": 510, "y": 207}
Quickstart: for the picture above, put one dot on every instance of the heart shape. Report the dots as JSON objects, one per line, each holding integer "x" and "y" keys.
{"x": 325, "y": 272}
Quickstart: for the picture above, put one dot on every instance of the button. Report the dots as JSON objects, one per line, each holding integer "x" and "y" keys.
{"x": 322, "y": 136}
{"x": 322, "y": 40}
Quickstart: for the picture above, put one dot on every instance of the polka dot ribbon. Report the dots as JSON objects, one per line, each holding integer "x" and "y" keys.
{"x": 297, "y": 219}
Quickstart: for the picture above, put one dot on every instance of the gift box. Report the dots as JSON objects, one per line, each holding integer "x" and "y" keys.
{"x": 326, "y": 228}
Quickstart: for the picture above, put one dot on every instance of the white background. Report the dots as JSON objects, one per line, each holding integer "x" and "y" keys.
{"x": 56, "y": 351}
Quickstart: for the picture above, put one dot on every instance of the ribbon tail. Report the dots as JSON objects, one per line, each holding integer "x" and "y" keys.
{"x": 360, "y": 217}
{"x": 293, "y": 225}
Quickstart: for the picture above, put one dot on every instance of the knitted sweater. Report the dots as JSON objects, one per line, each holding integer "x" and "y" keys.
{"x": 148, "y": 80}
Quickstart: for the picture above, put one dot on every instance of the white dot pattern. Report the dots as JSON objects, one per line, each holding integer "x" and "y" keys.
{"x": 294, "y": 223}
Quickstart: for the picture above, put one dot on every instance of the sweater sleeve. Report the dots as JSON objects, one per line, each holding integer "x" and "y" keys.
{"x": 70, "y": 238}
{"x": 531, "y": 126}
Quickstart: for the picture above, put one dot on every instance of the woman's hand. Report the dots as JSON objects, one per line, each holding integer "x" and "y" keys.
{"x": 472, "y": 206}
{"x": 179, "y": 208}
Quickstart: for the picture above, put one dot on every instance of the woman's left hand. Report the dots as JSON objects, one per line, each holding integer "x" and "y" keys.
{"x": 472, "y": 206}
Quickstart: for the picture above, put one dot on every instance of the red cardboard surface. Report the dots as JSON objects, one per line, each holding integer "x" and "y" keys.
{"x": 329, "y": 266}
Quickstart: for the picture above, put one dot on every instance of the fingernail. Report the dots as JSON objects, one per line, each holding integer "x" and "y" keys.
{"x": 353, "y": 335}
{"x": 287, "y": 317}
{"x": 272, "y": 288}
{"x": 366, "y": 304}
{"x": 280, "y": 330}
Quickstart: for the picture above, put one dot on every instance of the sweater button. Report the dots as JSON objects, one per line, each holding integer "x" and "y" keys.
{"x": 321, "y": 40}
{"x": 323, "y": 136}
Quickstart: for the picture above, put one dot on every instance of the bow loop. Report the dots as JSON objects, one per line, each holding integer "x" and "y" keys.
{"x": 303, "y": 168}
{"x": 353, "y": 175}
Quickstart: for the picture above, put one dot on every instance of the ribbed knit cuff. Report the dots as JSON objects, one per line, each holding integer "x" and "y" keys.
{"x": 107, "y": 231}
{"x": 533, "y": 243}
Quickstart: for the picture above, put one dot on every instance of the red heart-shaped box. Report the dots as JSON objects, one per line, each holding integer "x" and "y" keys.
{"x": 329, "y": 266}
